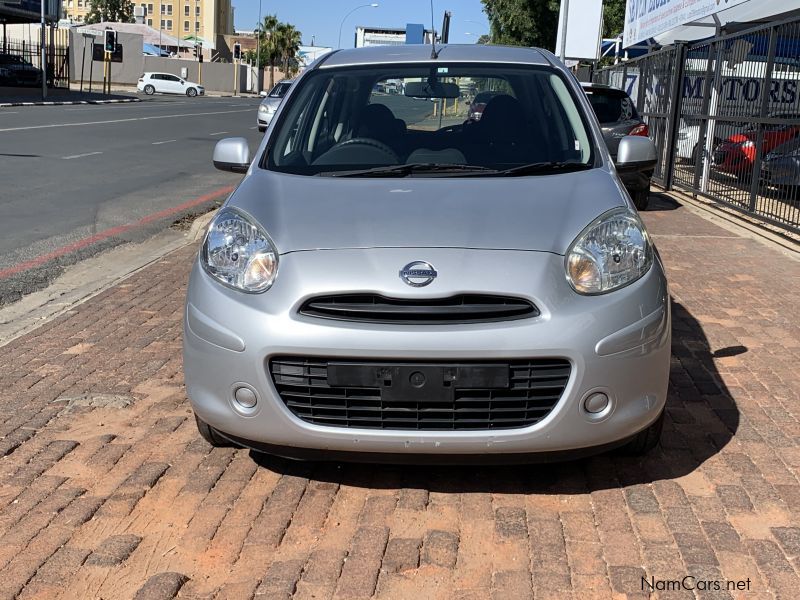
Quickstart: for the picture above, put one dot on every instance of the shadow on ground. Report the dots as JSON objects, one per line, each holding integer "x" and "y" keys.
{"x": 701, "y": 419}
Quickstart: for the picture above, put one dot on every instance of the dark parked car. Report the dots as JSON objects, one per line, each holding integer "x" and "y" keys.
{"x": 618, "y": 118}
{"x": 14, "y": 70}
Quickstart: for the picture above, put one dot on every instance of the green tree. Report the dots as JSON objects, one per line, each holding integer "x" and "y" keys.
{"x": 279, "y": 43}
{"x": 115, "y": 11}
{"x": 288, "y": 42}
{"x": 535, "y": 22}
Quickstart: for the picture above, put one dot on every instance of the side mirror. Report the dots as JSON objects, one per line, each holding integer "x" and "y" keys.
{"x": 636, "y": 153}
{"x": 263, "y": 93}
{"x": 232, "y": 154}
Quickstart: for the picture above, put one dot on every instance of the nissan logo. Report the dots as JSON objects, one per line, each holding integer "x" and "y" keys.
{"x": 418, "y": 273}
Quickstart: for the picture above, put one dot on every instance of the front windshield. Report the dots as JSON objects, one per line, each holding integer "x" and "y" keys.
{"x": 359, "y": 118}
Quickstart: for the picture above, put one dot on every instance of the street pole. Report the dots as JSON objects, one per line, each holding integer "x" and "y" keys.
{"x": 258, "y": 51}
{"x": 43, "y": 55}
{"x": 565, "y": 10}
{"x": 373, "y": 5}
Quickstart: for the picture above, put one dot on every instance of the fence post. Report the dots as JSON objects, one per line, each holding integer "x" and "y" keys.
{"x": 762, "y": 113}
{"x": 674, "y": 112}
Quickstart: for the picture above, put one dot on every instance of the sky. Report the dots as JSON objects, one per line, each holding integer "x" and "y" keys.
{"x": 320, "y": 19}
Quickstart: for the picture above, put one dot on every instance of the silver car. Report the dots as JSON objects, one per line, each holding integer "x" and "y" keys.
{"x": 269, "y": 105}
{"x": 394, "y": 281}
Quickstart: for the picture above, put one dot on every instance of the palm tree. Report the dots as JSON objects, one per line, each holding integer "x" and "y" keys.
{"x": 269, "y": 49}
{"x": 289, "y": 39}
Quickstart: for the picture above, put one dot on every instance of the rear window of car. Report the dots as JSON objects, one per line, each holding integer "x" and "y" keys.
{"x": 611, "y": 106}
{"x": 350, "y": 118}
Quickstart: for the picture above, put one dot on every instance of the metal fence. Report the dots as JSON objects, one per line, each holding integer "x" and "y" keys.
{"x": 725, "y": 116}
{"x": 57, "y": 51}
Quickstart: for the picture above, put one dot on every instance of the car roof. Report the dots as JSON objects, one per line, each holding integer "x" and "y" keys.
{"x": 421, "y": 53}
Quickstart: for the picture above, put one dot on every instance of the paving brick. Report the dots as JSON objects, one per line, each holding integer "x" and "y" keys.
{"x": 440, "y": 548}
{"x": 114, "y": 550}
{"x": 511, "y": 522}
{"x": 402, "y": 554}
{"x": 280, "y": 581}
{"x": 362, "y": 565}
{"x": 512, "y": 585}
{"x": 162, "y": 586}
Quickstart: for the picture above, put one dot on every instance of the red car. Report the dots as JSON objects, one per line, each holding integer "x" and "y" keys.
{"x": 737, "y": 154}
{"x": 479, "y": 103}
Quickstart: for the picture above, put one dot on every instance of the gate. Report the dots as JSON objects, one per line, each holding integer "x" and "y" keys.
{"x": 729, "y": 127}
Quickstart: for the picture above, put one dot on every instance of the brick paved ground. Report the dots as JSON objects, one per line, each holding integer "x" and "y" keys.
{"x": 114, "y": 495}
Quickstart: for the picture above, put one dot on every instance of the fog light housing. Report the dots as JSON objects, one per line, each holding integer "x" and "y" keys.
{"x": 596, "y": 403}
{"x": 245, "y": 397}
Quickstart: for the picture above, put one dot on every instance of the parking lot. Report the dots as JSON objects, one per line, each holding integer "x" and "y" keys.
{"x": 108, "y": 490}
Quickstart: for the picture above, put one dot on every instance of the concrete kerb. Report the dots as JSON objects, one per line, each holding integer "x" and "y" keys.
{"x": 82, "y": 281}
{"x": 68, "y": 102}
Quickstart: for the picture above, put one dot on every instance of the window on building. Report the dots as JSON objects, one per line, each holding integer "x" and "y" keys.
{"x": 69, "y": 3}
{"x": 169, "y": 9}
{"x": 186, "y": 25}
{"x": 163, "y": 24}
{"x": 169, "y": 24}
{"x": 186, "y": 10}
{"x": 197, "y": 26}
{"x": 163, "y": 9}
{"x": 197, "y": 11}
{"x": 149, "y": 22}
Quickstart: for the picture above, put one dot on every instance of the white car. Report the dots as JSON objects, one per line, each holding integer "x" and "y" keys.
{"x": 166, "y": 83}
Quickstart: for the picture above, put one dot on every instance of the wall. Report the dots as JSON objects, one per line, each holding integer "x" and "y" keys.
{"x": 218, "y": 77}
{"x": 125, "y": 73}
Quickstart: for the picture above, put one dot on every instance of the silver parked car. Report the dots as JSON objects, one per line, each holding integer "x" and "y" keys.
{"x": 394, "y": 281}
{"x": 270, "y": 104}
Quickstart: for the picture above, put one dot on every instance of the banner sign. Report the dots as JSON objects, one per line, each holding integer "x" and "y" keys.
{"x": 647, "y": 18}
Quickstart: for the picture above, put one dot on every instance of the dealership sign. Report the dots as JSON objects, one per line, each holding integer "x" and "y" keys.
{"x": 647, "y": 18}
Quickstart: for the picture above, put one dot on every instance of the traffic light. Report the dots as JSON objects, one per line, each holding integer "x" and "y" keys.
{"x": 110, "y": 40}
{"x": 237, "y": 51}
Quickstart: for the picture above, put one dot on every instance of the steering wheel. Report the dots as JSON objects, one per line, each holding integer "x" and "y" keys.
{"x": 372, "y": 143}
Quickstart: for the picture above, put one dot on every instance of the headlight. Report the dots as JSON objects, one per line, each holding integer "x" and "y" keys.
{"x": 611, "y": 253}
{"x": 262, "y": 108}
{"x": 238, "y": 252}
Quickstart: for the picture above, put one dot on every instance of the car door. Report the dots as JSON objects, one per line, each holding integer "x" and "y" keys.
{"x": 157, "y": 81}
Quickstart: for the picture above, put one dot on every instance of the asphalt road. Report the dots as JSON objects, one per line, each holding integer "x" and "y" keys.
{"x": 71, "y": 174}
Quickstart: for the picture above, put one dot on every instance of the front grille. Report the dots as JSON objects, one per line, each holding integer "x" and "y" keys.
{"x": 535, "y": 387}
{"x": 464, "y": 308}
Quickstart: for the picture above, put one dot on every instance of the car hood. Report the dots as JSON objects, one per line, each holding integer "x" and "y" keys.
{"x": 541, "y": 213}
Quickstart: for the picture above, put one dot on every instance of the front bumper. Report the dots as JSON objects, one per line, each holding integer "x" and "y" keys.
{"x": 264, "y": 119}
{"x": 617, "y": 343}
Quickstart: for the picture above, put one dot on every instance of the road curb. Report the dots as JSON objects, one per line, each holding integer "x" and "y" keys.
{"x": 68, "y": 102}
{"x": 81, "y": 282}
{"x": 199, "y": 225}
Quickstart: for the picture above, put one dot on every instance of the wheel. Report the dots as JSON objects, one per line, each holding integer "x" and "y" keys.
{"x": 191, "y": 92}
{"x": 641, "y": 198}
{"x": 210, "y": 435}
{"x": 644, "y": 441}
{"x": 149, "y": 90}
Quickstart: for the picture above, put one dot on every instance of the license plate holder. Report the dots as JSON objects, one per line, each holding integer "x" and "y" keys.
{"x": 418, "y": 382}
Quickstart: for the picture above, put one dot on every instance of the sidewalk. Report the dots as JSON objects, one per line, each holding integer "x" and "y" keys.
{"x": 106, "y": 489}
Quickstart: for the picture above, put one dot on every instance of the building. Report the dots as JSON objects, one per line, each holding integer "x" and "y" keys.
{"x": 392, "y": 36}
{"x": 205, "y": 19}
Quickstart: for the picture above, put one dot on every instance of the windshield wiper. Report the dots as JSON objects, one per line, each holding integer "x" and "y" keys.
{"x": 551, "y": 166}
{"x": 409, "y": 169}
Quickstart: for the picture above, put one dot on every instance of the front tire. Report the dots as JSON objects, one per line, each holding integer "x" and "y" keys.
{"x": 149, "y": 90}
{"x": 644, "y": 441}
{"x": 191, "y": 92}
{"x": 210, "y": 434}
{"x": 641, "y": 198}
